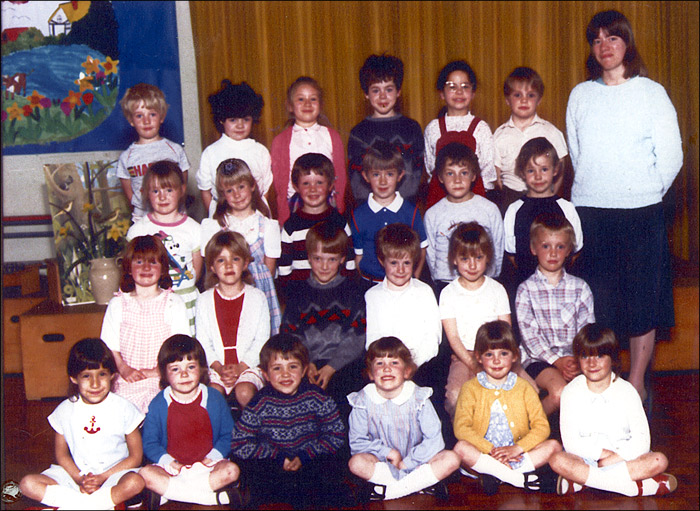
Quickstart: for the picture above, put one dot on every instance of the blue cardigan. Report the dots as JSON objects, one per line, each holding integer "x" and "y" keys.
{"x": 155, "y": 432}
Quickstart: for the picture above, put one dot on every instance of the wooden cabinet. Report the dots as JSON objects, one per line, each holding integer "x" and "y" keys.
{"x": 48, "y": 331}
{"x": 12, "y": 308}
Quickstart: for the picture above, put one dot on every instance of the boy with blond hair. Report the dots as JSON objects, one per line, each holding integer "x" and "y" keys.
{"x": 523, "y": 90}
{"x": 552, "y": 306}
{"x": 144, "y": 107}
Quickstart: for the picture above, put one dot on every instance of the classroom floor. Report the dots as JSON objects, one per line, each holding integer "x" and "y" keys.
{"x": 28, "y": 448}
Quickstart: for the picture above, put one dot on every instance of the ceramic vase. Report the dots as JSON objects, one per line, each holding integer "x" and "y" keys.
{"x": 104, "y": 275}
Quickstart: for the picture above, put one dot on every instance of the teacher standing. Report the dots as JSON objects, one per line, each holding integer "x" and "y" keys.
{"x": 625, "y": 147}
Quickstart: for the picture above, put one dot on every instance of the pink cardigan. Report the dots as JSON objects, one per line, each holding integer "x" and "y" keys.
{"x": 279, "y": 153}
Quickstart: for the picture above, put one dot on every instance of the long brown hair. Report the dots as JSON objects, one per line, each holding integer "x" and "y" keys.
{"x": 614, "y": 23}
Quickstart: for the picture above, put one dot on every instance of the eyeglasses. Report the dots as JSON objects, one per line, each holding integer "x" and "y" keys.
{"x": 452, "y": 86}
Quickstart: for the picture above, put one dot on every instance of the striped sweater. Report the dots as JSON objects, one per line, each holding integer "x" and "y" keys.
{"x": 276, "y": 426}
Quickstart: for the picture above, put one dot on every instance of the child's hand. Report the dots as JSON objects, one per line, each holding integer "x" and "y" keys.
{"x": 311, "y": 373}
{"x": 292, "y": 465}
{"x": 394, "y": 457}
{"x": 323, "y": 376}
{"x": 132, "y": 375}
{"x": 90, "y": 483}
{"x": 507, "y": 454}
{"x": 568, "y": 367}
{"x": 608, "y": 458}
{"x": 174, "y": 468}
{"x": 229, "y": 374}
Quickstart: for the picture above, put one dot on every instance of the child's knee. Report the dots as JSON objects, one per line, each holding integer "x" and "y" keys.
{"x": 660, "y": 462}
{"x": 466, "y": 452}
{"x": 244, "y": 393}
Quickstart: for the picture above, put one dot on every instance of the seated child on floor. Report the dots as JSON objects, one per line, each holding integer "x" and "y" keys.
{"x": 287, "y": 438}
{"x": 603, "y": 426}
{"x": 95, "y": 470}
{"x": 187, "y": 431}
{"x": 395, "y": 433}
{"x": 500, "y": 425}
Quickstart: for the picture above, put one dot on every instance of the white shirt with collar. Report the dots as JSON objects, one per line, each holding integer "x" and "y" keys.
{"x": 508, "y": 140}
{"x": 411, "y": 314}
{"x": 314, "y": 139}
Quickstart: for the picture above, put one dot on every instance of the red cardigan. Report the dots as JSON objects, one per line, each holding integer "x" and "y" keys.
{"x": 279, "y": 154}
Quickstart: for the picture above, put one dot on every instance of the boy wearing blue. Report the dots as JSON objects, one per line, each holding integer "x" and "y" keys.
{"x": 287, "y": 438}
{"x": 457, "y": 168}
{"x": 381, "y": 77}
{"x": 383, "y": 169}
{"x": 144, "y": 107}
{"x": 523, "y": 90}
{"x": 327, "y": 311}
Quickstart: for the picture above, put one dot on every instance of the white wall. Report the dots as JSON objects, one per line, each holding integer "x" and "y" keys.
{"x": 23, "y": 186}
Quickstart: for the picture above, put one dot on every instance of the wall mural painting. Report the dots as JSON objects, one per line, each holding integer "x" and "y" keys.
{"x": 65, "y": 65}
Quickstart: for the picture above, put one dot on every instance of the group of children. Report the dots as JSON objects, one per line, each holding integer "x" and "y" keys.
{"x": 306, "y": 282}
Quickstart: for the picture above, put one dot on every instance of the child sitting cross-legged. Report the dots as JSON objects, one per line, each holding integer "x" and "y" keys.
{"x": 287, "y": 438}
{"x": 603, "y": 426}
{"x": 499, "y": 422}
{"x": 187, "y": 431}
{"x": 327, "y": 310}
{"x": 395, "y": 433}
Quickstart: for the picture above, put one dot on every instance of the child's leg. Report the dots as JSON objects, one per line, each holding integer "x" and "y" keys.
{"x": 363, "y": 465}
{"x": 553, "y": 382}
{"x": 541, "y": 454}
{"x": 438, "y": 468}
{"x": 444, "y": 463}
{"x": 129, "y": 484}
{"x": 56, "y": 488}
{"x": 224, "y": 472}
{"x": 34, "y": 486}
{"x": 485, "y": 464}
{"x": 457, "y": 375}
{"x": 244, "y": 392}
{"x": 156, "y": 478}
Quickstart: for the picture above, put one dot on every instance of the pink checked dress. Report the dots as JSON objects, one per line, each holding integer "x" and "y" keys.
{"x": 142, "y": 331}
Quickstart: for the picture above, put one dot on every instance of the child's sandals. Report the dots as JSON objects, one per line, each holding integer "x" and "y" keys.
{"x": 543, "y": 479}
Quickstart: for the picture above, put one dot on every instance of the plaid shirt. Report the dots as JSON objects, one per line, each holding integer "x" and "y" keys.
{"x": 550, "y": 316}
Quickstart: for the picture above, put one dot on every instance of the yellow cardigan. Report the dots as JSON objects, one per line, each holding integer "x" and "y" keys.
{"x": 522, "y": 407}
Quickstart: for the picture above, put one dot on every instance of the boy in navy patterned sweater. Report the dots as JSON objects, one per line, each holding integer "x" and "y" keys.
{"x": 327, "y": 310}
{"x": 287, "y": 438}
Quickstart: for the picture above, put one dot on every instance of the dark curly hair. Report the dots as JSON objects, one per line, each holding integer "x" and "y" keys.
{"x": 234, "y": 101}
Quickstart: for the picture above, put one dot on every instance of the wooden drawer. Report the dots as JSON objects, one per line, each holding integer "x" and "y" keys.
{"x": 48, "y": 332}
{"x": 11, "y": 346}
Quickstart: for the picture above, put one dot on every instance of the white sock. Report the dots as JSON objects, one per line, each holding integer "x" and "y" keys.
{"x": 195, "y": 490}
{"x": 616, "y": 479}
{"x": 63, "y": 497}
{"x": 489, "y": 465}
{"x": 382, "y": 474}
{"x": 420, "y": 478}
{"x": 565, "y": 485}
{"x": 102, "y": 499}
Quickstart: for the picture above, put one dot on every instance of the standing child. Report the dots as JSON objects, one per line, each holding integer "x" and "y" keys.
{"x": 552, "y": 306}
{"x": 240, "y": 208}
{"x": 327, "y": 311}
{"x": 468, "y": 302}
{"x": 187, "y": 431}
{"x": 287, "y": 438}
{"x": 312, "y": 177}
{"x": 523, "y": 90}
{"x": 144, "y": 107}
{"x": 499, "y": 422}
{"x": 140, "y": 317}
{"x": 234, "y": 108}
{"x": 382, "y": 168}
{"x": 455, "y": 123}
{"x": 308, "y": 131}
{"x": 395, "y": 434}
{"x": 381, "y": 77}
{"x": 604, "y": 428}
{"x": 537, "y": 165}
{"x": 233, "y": 319}
{"x": 95, "y": 470}
{"x": 164, "y": 192}
{"x": 457, "y": 168}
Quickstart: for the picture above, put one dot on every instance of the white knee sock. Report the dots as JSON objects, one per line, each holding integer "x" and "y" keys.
{"x": 420, "y": 478}
{"x": 66, "y": 498}
{"x": 616, "y": 479}
{"x": 489, "y": 465}
{"x": 382, "y": 474}
{"x": 102, "y": 499}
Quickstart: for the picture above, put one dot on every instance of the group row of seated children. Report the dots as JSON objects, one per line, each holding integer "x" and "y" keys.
{"x": 287, "y": 443}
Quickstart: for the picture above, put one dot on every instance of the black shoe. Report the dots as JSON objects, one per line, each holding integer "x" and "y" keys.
{"x": 236, "y": 493}
{"x": 438, "y": 490}
{"x": 371, "y": 491}
{"x": 153, "y": 499}
{"x": 489, "y": 483}
{"x": 544, "y": 480}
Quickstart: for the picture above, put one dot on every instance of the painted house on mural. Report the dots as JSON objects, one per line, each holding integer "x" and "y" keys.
{"x": 65, "y": 15}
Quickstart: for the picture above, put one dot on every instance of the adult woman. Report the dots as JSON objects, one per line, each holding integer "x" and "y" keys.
{"x": 626, "y": 150}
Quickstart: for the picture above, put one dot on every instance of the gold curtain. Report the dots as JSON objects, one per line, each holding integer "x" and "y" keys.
{"x": 270, "y": 44}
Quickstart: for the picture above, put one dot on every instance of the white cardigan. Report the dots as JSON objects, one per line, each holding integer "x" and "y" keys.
{"x": 253, "y": 327}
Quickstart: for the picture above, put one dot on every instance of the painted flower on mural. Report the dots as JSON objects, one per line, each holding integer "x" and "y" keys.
{"x": 84, "y": 83}
{"x": 109, "y": 66}
{"x": 91, "y": 65}
{"x": 14, "y": 112}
